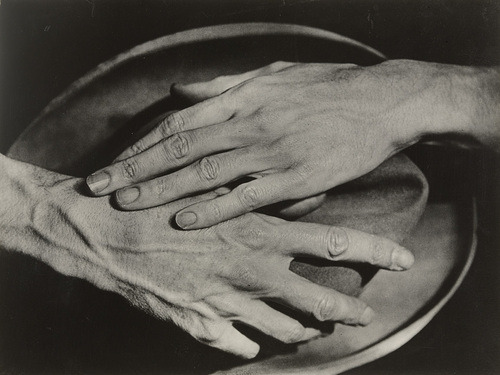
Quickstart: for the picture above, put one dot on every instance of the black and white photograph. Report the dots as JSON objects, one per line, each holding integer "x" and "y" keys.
{"x": 249, "y": 187}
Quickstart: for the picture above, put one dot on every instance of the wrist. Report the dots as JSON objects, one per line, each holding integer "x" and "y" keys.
{"x": 411, "y": 86}
{"x": 17, "y": 204}
{"x": 402, "y": 96}
{"x": 455, "y": 103}
{"x": 476, "y": 98}
{"x": 44, "y": 217}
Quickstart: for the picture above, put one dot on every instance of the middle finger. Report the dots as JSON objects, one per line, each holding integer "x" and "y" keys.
{"x": 206, "y": 174}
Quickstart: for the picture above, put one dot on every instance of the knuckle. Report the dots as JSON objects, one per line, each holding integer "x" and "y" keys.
{"x": 215, "y": 210}
{"x": 262, "y": 121}
{"x": 326, "y": 308}
{"x": 161, "y": 186}
{"x": 255, "y": 236}
{"x": 249, "y": 197}
{"x": 245, "y": 276}
{"x": 209, "y": 168}
{"x": 377, "y": 253}
{"x": 171, "y": 124}
{"x": 337, "y": 241}
{"x": 175, "y": 147}
{"x": 129, "y": 168}
{"x": 293, "y": 334}
{"x": 209, "y": 334}
{"x": 137, "y": 147}
{"x": 179, "y": 145}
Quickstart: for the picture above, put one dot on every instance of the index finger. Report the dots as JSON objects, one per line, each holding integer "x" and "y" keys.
{"x": 209, "y": 112}
{"x": 198, "y": 91}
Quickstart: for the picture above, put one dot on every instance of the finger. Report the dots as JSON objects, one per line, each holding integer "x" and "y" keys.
{"x": 199, "y": 91}
{"x": 244, "y": 198}
{"x": 323, "y": 303}
{"x": 171, "y": 153}
{"x": 276, "y": 324}
{"x": 292, "y": 210}
{"x": 209, "y": 112}
{"x": 343, "y": 244}
{"x": 269, "y": 321}
{"x": 203, "y": 175}
{"x": 232, "y": 341}
{"x": 222, "y": 335}
{"x": 219, "y": 334}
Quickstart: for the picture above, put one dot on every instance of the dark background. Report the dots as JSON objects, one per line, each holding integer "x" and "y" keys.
{"x": 45, "y": 45}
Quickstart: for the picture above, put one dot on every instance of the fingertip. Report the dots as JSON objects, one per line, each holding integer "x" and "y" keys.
{"x": 367, "y": 316}
{"x": 252, "y": 351}
{"x": 402, "y": 259}
{"x": 233, "y": 341}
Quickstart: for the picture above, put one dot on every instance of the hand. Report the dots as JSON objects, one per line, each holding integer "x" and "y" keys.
{"x": 202, "y": 280}
{"x": 301, "y": 128}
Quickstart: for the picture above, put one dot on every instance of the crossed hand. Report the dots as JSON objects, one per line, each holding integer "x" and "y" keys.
{"x": 297, "y": 130}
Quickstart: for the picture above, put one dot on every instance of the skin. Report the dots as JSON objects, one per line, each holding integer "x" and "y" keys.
{"x": 201, "y": 280}
{"x": 299, "y": 129}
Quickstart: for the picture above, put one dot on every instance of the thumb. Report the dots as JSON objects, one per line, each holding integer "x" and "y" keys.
{"x": 196, "y": 92}
{"x": 199, "y": 91}
{"x": 294, "y": 209}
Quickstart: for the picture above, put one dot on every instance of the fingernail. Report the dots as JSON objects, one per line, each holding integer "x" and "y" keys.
{"x": 186, "y": 219}
{"x": 98, "y": 181}
{"x": 367, "y": 316}
{"x": 402, "y": 259}
{"x": 127, "y": 196}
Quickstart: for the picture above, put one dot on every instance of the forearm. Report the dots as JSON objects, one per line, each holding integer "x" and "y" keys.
{"x": 18, "y": 205}
{"x": 456, "y": 103}
{"x": 476, "y": 92}
{"x": 37, "y": 218}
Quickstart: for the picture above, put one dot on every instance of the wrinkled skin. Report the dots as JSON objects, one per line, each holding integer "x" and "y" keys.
{"x": 201, "y": 280}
